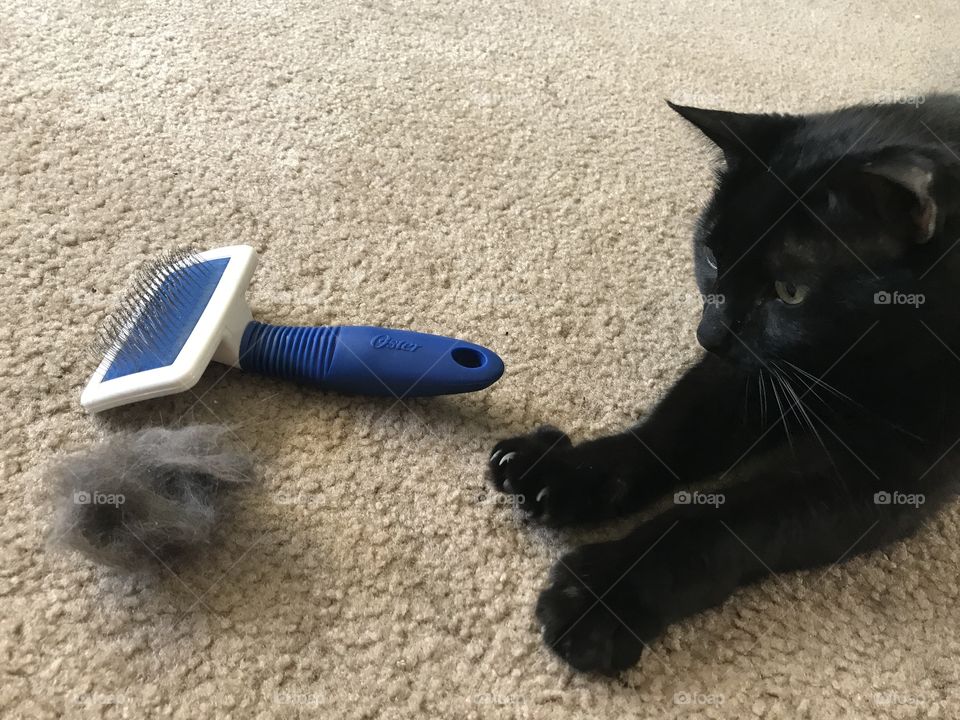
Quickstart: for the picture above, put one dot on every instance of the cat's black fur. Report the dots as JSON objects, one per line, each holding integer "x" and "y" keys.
{"x": 836, "y": 207}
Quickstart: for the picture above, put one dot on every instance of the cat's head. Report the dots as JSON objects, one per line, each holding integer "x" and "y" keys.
{"x": 817, "y": 232}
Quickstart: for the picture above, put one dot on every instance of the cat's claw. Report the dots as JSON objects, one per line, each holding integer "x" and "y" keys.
{"x": 528, "y": 466}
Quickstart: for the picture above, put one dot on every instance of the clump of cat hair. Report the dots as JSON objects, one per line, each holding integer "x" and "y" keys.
{"x": 139, "y": 499}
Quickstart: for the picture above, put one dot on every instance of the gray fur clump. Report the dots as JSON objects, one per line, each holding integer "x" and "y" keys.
{"x": 142, "y": 498}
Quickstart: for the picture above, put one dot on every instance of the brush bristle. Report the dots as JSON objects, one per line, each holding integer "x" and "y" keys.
{"x": 150, "y": 317}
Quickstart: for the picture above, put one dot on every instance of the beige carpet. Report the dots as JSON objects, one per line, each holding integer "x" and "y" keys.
{"x": 504, "y": 171}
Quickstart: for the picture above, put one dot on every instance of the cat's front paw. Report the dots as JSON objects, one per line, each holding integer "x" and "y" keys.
{"x": 538, "y": 471}
{"x": 592, "y": 615}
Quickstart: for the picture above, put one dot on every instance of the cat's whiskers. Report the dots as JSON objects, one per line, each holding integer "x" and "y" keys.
{"x": 746, "y": 396}
{"x": 761, "y": 383}
{"x": 800, "y": 373}
{"x": 808, "y": 385}
{"x": 791, "y": 406}
{"x": 822, "y": 383}
{"x": 783, "y": 413}
{"x": 765, "y": 415}
{"x": 798, "y": 402}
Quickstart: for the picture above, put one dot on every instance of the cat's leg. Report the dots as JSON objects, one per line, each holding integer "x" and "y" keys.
{"x": 698, "y": 427}
{"x": 606, "y": 601}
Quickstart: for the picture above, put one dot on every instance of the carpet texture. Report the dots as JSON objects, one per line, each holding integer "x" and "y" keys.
{"x": 503, "y": 171}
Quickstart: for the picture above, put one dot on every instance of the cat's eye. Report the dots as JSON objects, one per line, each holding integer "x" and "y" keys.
{"x": 791, "y": 293}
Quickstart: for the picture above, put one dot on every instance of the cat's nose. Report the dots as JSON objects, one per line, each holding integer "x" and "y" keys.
{"x": 714, "y": 336}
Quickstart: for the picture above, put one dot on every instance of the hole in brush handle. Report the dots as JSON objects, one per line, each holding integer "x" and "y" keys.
{"x": 468, "y": 357}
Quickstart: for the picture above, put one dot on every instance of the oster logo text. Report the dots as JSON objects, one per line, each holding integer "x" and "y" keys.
{"x": 385, "y": 342}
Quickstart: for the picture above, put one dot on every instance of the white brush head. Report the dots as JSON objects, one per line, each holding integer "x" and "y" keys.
{"x": 181, "y": 314}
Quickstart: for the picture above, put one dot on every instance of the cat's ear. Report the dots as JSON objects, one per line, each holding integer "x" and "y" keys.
{"x": 914, "y": 174}
{"x": 739, "y": 135}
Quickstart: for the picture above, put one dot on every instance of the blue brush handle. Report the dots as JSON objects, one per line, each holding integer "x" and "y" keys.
{"x": 369, "y": 360}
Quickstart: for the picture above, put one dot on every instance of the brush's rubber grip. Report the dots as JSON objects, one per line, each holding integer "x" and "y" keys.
{"x": 369, "y": 360}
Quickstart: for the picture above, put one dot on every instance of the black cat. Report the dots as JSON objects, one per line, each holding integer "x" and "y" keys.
{"x": 827, "y": 256}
